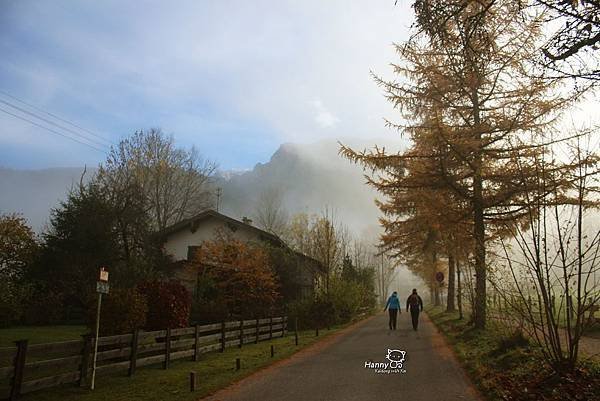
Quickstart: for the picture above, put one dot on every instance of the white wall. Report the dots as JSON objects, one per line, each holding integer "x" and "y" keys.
{"x": 177, "y": 243}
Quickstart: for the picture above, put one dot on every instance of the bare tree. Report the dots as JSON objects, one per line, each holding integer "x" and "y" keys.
{"x": 550, "y": 269}
{"x": 385, "y": 273}
{"x": 269, "y": 212}
{"x": 173, "y": 180}
{"x": 572, "y": 49}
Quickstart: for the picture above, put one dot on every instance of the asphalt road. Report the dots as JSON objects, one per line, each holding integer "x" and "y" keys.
{"x": 337, "y": 370}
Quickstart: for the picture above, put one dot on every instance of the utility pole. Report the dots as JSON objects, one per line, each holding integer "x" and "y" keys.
{"x": 219, "y": 193}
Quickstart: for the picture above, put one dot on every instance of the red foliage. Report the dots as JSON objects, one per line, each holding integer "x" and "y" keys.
{"x": 243, "y": 275}
{"x": 169, "y": 304}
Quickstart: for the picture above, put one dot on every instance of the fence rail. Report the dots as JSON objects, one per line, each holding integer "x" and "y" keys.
{"x": 26, "y": 368}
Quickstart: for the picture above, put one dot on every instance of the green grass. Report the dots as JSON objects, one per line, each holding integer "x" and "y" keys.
{"x": 215, "y": 370}
{"x": 505, "y": 365}
{"x": 40, "y": 334}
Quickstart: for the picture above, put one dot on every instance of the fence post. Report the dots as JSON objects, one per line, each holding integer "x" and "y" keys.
{"x": 272, "y": 351}
{"x": 85, "y": 359}
{"x": 284, "y": 326}
{"x": 192, "y": 381}
{"x": 257, "y": 329}
{"x": 241, "y": 334}
{"x": 296, "y": 330}
{"x": 196, "y": 344}
{"x": 20, "y": 358}
{"x": 134, "y": 351}
{"x": 238, "y": 364}
{"x": 167, "y": 349}
{"x": 223, "y": 336}
{"x": 317, "y": 331}
{"x": 271, "y": 328}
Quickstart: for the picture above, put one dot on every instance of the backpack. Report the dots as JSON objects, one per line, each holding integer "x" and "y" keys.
{"x": 413, "y": 301}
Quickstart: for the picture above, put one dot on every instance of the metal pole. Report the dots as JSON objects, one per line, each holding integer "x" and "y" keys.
{"x": 96, "y": 340}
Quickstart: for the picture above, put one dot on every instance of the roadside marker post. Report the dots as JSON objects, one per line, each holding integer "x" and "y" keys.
{"x": 102, "y": 287}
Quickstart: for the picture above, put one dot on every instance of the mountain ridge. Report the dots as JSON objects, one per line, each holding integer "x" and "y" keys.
{"x": 310, "y": 177}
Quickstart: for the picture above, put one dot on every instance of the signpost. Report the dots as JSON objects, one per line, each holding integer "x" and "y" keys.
{"x": 102, "y": 287}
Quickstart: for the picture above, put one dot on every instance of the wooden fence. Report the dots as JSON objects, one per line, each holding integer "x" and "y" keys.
{"x": 26, "y": 368}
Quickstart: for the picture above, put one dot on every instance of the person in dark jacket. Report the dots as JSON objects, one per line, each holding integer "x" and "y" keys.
{"x": 415, "y": 303}
{"x": 393, "y": 305}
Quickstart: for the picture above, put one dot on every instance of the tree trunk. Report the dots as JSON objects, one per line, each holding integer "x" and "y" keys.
{"x": 459, "y": 291}
{"x": 436, "y": 286}
{"x": 479, "y": 310}
{"x": 450, "y": 296}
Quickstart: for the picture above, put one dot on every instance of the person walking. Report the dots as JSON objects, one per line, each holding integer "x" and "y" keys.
{"x": 393, "y": 305}
{"x": 415, "y": 303}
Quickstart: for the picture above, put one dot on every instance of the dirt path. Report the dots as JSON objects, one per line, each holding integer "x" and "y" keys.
{"x": 335, "y": 369}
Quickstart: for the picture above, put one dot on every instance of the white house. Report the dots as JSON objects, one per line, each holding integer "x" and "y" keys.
{"x": 298, "y": 273}
{"x": 181, "y": 239}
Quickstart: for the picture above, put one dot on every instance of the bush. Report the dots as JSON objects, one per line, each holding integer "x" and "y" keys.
{"x": 45, "y": 306}
{"x": 169, "y": 304}
{"x": 312, "y": 313}
{"x": 212, "y": 311}
{"x": 12, "y": 301}
{"x": 123, "y": 311}
{"x": 347, "y": 298}
{"x": 300, "y": 310}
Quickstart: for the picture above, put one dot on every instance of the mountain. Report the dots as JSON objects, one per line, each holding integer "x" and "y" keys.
{"x": 308, "y": 177}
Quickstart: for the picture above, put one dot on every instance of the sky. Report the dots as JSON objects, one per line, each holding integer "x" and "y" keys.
{"x": 235, "y": 79}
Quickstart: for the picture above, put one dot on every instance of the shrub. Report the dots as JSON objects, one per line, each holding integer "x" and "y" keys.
{"x": 311, "y": 312}
{"x": 346, "y": 298}
{"x": 45, "y": 306}
{"x": 243, "y": 276}
{"x": 169, "y": 304}
{"x": 515, "y": 340}
{"x": 209, "y": 311}
{"x": 300, "y": 310}
{"x": 123, "y": 311}
{"x": 12, "y": 300}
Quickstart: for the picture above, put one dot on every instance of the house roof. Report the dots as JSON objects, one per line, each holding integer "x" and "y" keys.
{"x": 316, "y": 265}
{"x": 190, "y": 223}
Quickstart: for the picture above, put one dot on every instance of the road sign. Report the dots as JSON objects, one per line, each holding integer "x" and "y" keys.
{"x": 102, "y": 287}
{"x": 103, "y": 274}
{"x": 439, "y": 276}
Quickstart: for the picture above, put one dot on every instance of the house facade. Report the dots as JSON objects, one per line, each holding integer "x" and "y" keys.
{"x": 299, "y": 274}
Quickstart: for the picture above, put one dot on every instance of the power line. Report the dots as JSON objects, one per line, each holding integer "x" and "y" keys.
{"x": 51, "y": 130}
{"x": 53, "y": 123}
{"x": 108, "y": 141}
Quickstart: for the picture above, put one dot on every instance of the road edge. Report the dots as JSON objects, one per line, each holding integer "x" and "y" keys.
{"x": 305, "y": 352}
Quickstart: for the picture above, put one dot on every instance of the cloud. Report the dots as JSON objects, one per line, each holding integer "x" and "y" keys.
{"x": 218, "y": 75}
{"x": 323, "y": 117}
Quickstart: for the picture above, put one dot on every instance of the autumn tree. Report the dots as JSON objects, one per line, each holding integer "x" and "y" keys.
{"x": 470, "y": 102}
{"x": 18, "y": 249}
{"x": 242, "y": 275}
{"x": 174, "y": 181}
{"x": 17, "y": 246}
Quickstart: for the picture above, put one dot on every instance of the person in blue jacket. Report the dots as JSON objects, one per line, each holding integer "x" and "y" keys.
{"x": 393, "y": 305}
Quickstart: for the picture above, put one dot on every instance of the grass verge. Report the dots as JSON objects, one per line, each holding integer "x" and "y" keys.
{"x": 508, "y": 367}
{"x": 40, "y": 334}
{"x": 214, "y": 371}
